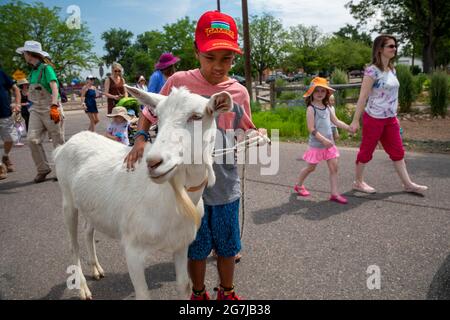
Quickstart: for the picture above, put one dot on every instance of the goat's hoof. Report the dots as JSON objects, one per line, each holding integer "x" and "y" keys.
{"x": 85, "y": 293}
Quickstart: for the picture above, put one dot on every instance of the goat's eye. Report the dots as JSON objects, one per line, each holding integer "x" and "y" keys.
{"x": 196, "y": 117}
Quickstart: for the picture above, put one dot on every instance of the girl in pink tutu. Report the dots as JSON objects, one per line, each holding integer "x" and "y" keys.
{"x": 321, "y": 143}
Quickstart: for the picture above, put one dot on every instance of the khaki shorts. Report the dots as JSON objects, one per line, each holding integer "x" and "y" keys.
{"x": 7, "y": 131}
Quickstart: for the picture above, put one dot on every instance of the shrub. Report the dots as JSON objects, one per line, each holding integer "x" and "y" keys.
{"x": 439, "y": 93}
{"x": 419, "y": 81}
{"x": 415, "y": 70}
{"x": 289, "y": 95}
{"x": 339, "y": 77}
{"x": 406, "y": 92}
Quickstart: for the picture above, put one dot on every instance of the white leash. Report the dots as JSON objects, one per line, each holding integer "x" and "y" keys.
{"x": 243, "y": 146}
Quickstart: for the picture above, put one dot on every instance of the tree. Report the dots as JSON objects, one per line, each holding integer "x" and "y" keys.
{"x": 117, "y": 41}
{"x": 345, "y": 54}
{"x": 140, "y": 57}
{"x": 302, "y": 49}
{"x": 352, "y": 33}
{"x": 69, "y": 48}
{"x": 418, "y": 21}
{"x": 267, "y": 42}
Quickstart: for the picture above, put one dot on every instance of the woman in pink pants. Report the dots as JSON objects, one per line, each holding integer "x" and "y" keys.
{"x": 378, "y": 100}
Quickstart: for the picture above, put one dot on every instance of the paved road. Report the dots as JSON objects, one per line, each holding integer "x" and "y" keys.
{"x": 292, "y": 248}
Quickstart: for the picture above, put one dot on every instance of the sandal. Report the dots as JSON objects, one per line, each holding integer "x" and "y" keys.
{"x": 339, "y": 199}
{"x": 301, "y": 191}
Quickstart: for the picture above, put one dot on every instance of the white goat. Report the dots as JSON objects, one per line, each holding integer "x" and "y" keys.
{"x": 157, "y": 206}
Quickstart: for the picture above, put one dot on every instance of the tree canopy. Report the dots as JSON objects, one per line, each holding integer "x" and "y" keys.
{"x": 421, "y": 23}
{"x": 70, "y": 48}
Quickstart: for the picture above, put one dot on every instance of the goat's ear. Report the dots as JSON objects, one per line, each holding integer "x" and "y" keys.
{"x": 147, "y": 98}
{"x": 220, "y": 102}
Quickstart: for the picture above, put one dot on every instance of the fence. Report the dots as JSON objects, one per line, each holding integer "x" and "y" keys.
{"x": 268, "y": 94}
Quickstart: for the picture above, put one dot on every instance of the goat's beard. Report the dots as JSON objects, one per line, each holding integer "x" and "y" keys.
{"x": 184, "y": 203}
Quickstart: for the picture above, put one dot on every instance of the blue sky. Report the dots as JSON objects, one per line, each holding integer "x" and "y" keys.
{"x": 139, "y": 16}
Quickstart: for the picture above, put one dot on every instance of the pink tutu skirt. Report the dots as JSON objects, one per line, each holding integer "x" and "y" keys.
{"x": 315, "y": 155}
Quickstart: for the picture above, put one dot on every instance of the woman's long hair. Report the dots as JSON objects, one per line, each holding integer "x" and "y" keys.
{"x": 41, "y": 58}
{"x": 378, "y": 45}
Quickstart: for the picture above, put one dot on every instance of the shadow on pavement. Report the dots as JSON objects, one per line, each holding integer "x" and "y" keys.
{"x": 315, "y": 210}
{"x": 7, "y": 186}
{"x": 431, "y": 166}
{"x": 440, "y": 286}
{"x": 117, "y": 286}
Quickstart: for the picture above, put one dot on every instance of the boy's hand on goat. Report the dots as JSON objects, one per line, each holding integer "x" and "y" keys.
{"x": 135, "y": 154}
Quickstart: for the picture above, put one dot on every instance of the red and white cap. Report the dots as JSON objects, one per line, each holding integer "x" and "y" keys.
{"x": 216, "y": 31}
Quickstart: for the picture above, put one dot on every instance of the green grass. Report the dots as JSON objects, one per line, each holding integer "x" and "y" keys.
{"x": 291, "y": 122}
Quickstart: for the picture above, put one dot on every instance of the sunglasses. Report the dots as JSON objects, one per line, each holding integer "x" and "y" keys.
{"x": 117, "y": 71}
{"x": 91, "y": 78}
{"x": 391, "y": 46}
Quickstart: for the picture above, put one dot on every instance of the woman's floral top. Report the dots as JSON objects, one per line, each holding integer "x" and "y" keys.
{"x": 383, "y": 99}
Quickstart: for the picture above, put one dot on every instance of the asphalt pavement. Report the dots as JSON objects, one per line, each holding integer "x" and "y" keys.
{"x": 293, "y": 248}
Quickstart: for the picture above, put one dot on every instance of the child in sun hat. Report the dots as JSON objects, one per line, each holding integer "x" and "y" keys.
{"x": 118, "y": 128}
{"x": 216, "y": 45}
{"x": 321, "y": 143}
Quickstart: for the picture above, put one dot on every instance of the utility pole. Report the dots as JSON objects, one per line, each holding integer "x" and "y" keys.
{"x": 218, "y": 5}
{"x": 248, "y": 68}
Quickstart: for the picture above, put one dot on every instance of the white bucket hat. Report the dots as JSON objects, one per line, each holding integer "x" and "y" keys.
{"x": 32, "y": 46}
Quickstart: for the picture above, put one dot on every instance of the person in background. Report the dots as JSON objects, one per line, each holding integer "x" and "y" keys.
{"x": 118, "y": 128}
{"x": 114, "y": 86}
{"x": 377, "y": 104}
{"x": 6, "y": 124}
{"x": 46, "y": 113}
{"x": 88, "y": 95}
{"x": 25, "y": 104}
{"x": 164, "y": 68}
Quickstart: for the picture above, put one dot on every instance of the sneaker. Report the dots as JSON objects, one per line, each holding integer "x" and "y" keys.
{"x": 8, "y": 163}
{"x": 19, "y": 144}
{"x": 301, "y": 190}
{"x": 226, "y": 295}
{"x": 3, "y": 171}
{"x": 339, "y": 199}
{"x": 204, "y": 296}
{"x": 41, "y": 176}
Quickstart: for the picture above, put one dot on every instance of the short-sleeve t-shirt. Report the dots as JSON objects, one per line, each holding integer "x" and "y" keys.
{"x": 119, "y": 130}
{"x": 383, "y": 99}
{"x": 48, "y": 75}
{"x": 156, "y": 82}
{"x": 227, "y": 187}
{"x": 5, "y": 99}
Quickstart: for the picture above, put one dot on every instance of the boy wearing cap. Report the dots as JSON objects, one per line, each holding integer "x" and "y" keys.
{"x": 215, "y": 47}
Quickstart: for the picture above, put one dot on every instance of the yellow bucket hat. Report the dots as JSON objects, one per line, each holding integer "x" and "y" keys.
{"x": 318, "y": 82}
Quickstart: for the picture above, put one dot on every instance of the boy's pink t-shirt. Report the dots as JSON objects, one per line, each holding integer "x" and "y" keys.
{"x": 194, "y": 81}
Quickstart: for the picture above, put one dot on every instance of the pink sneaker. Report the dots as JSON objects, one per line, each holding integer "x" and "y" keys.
{"x": 301, "y": 191}
{"x": 339, "y": 199}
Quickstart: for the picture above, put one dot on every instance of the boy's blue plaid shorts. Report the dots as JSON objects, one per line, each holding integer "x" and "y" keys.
{"x": 219, "y": 230}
